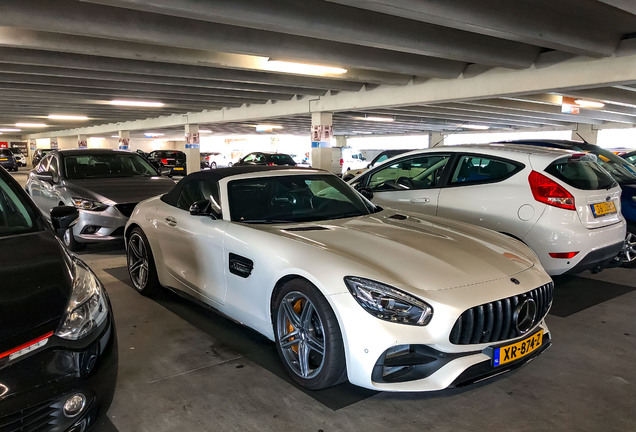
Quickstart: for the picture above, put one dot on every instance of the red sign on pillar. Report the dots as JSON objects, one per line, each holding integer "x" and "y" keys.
{"x": 4, "y": 145}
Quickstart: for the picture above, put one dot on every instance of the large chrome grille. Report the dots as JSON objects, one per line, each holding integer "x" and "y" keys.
{"x": 493, "y": 322}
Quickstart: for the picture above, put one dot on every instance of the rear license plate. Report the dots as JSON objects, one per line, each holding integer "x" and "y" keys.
{"x": 3, "y": 159}
{"x": 515, "y": 351}
{"x": 178, "y": 169}
{"x": 603, "y": 208}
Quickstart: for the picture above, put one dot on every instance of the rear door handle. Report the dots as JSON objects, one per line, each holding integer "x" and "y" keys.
{"x": 420, "y": 200}
{"x": 171, "y": 221}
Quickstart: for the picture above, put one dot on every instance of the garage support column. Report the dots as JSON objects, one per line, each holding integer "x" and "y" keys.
{"x": 321, "y": 133}
{"x": 435, "y": 139}
{"x": 82, "y": 141}
{"x": 341, "y": 141}
{"x": 586, "y": 132}
{"x": 53, "y": 143}
{"x": 124, "y": 140}
{"x": 192, "y": 148}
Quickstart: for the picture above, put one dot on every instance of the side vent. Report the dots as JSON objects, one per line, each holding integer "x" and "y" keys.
{"x": 397, "y": 216}
{"x": 241, "y": 266}
{"x": 308, "y": 228}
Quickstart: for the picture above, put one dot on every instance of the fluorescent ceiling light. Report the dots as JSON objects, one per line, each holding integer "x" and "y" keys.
{"x": 589, "y": 104}
{"x": 66, "y": 117}
{"x": 137, "y": 103}
{"x": 10, "y": 130}
{"x": 205, "y": 131}
{"x": 302, "y": 68}
{"x": 376, "y": 119}
{"x": 97, "y": 138}
{"x": 152, "y": 134}
{"x": 476, "y": 127}
{"x": 266, "y": 128}
{"x": 114, "y": 136}
{"x": 32, "y": 125}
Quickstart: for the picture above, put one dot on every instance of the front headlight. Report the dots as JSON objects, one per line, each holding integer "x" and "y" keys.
{"x": 88, "y": 204}
{"x": 388, "y": 303}
{"x": 87, "y": 309}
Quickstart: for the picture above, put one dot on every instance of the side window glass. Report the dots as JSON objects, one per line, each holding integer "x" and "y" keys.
{"x": 53, "y": 168}
{"x": 194, "y": 191}
{"x": 43, "y": 165}
{"x": 420, "y": 172}
{"x": 249, "y": 158}
{"x": 478, "y": 169}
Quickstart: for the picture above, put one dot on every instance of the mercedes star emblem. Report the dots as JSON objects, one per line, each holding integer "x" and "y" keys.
{"x": 525, "y": 315}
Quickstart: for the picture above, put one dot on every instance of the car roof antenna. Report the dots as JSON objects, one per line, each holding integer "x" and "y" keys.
{"x": 583, "y": 139}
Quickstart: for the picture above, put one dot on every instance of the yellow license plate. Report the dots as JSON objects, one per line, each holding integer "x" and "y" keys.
{"x": 515, "y": 351}
{"x": 178, "y": 169}
{"x": 3, "y": 159}
{"x": 603, "y": 208}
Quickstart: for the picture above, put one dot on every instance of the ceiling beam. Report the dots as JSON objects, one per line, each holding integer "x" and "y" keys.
{"x": 84, "y": 19}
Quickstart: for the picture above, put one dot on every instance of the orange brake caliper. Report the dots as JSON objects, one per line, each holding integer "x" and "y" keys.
{"x": 290, "y": 328}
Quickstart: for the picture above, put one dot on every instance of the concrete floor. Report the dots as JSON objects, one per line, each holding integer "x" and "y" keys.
{"x": 176, "y": 373}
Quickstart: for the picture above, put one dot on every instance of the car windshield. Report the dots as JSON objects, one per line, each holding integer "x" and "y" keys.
{"x": 15, "y": 214}
{"x": 107, "y": 165}
{"x": 294, "y": 198}
{"x": 619, "y": 168}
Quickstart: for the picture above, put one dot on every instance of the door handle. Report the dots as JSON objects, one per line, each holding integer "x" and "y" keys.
{"x": 420, "y": 200}
{"x": 171, "y": 221}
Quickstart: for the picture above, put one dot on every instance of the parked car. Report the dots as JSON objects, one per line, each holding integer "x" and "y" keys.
{"x": 19, "y": 157}
{"x": 630, "y": 157}
{"x": 213, "y": 160}
{"x": 387, "y": 299}
{"x": 560, "y": 203}
{"x": 38, "y": 155}
{"x": 7, "y": 160}
{"x": 265, "y": 158}
{"x": 169, "y": 162}
{"x": 381, "y": 157}
{"x": 622, "y": 171}
{"x": 58, "y": 348}
{"x": 350, "y": 159}
{"x": 104, "y": 184}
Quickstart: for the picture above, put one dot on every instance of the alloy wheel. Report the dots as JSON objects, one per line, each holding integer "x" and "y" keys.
{"x": 628, "y": 253}
{"x": 301, "y": 335}
{"x": 138, "y": 261}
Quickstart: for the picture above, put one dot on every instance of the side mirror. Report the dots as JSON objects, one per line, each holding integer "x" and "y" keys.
{"x": 204, "y": 208}
{"x": 64, "y": 217}
{"x": 366, "y": 193}
{"x": 46, "y": 176}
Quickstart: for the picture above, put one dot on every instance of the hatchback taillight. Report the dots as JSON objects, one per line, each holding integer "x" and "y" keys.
{"x": 550, "y": 192}
{"x": 341, "y": 162}
{"x": 164, "y": 161}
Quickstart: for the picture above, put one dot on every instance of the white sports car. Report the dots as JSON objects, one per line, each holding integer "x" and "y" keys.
{"x": 387, "y": 299}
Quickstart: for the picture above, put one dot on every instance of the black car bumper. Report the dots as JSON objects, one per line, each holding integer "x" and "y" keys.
{"x": 598, "y": 259}
{"x": 36, "y": 387}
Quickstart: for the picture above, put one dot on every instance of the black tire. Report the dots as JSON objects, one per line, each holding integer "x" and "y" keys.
{"x": 213, "y": 165}
{"x": 141, "y": 264}
{"x": 70, "y": 242}
{"x": 305, "y": 325}
{"x": 628, "y": 254}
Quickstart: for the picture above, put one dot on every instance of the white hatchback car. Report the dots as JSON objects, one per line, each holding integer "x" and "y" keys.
{"x": 560, "y": 203}
{"x": 390, "y": 300}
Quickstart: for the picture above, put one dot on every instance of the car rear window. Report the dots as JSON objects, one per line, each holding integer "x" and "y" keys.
{"x": 15, "y": 213}
{"x": 581, "y": 173}
{"x": 281, "y": 159}
{"x": 6, "y": 152}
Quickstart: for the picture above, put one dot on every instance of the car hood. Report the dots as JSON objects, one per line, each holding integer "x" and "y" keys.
{"x": 120, "y": 190}
{"x": 447, "y": 254}
{"x": 35, "y": 292}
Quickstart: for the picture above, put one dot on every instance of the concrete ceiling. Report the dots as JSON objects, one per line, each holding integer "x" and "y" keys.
{"x": 428, "y": 65}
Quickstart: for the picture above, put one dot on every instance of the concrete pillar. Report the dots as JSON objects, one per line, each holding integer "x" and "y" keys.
{"x": 192, "y": 148}
{"x": 322, "y": 155}
{"x": 586, "y": 132}
{"x": 341, "y": 141}
{"x": 124, "y": 140}
{"x": 82, "y": 141}
{"x": 53, "y": 143}
{"x": 435, "y": 139}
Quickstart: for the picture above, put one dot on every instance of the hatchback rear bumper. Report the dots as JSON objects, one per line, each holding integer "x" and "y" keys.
{"x": 597, "y": 259}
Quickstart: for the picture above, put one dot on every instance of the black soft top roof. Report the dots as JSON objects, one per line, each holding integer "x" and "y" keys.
{"x": 220, "y": 173}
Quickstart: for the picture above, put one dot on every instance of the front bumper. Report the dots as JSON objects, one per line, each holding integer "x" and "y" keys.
{"x": 107, "y": 225}
{"x": 426, "y": 359}
{"x": 36, "y": 387}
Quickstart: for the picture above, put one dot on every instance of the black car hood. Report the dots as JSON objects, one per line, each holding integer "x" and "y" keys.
{"x": 121, "y": 190}
{"x": 35, "y": 286}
